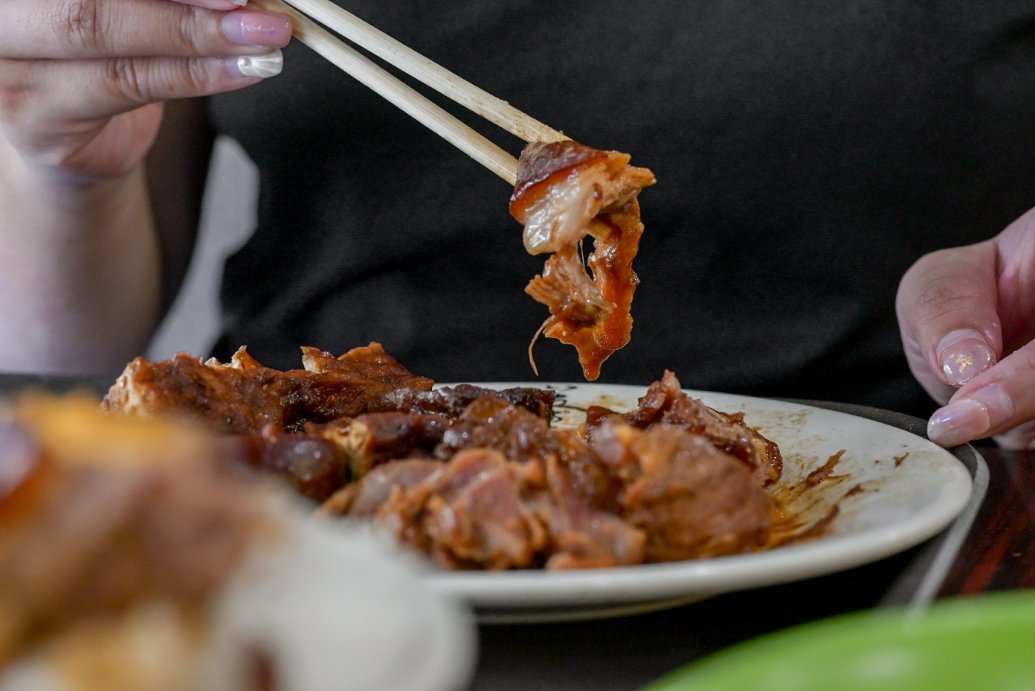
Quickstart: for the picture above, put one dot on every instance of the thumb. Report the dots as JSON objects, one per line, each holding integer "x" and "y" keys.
{"x": 947, "y": 312}
{"x": 999, "y": 402}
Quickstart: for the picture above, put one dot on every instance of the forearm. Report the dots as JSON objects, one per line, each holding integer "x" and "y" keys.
{"x": 82, "y": 267}
{"x": 79, "y": 271}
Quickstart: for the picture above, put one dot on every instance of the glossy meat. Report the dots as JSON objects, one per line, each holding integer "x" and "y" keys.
{"x": 478, "y": 510}
{"x": 451, "y": 401}
{"x": 363, "y": 499}
{"x": 581, "y": 535}
{"x": 244, "y": 396}
{"x": 468, "y": 515}
{"x": 511, "y": 492}
{"x": 224, "y": 398}
{"x": 313, "y": 466}
{"x": 689, "y": 498}
{"x": 665, "y": 403}
{"x": 479, "y": 479}
{"x": 375, "y": 438}
{"x": 522, "y": 437}
{"x": 565, "y": 192}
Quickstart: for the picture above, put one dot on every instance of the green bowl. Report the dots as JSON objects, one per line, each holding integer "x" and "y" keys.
{"x": 980, "y": 643}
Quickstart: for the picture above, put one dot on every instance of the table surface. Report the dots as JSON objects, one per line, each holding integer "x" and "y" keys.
{"x": 997, "y": 553}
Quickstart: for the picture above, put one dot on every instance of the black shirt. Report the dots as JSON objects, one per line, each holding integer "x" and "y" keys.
{"x": 806, "y": 155}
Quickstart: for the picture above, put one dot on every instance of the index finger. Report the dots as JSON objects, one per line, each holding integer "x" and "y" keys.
{"x": 215, "y": 4}
{"x": 88, "y": 29}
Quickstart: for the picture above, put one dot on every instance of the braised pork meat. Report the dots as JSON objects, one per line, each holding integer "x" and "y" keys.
{"x": 690, "y": 499}
{"x": 520, "y": 436}
{"x": 468, "y": 515}
{"x": 479, "y": 510}
{"x": 371, "y": 439}
{"x": 245, "y": 396}
{"x": 666, "y": 403}
{"x": 509, "y": 491}
{"x": 476, "y": 478}
{"x": 565, "y": 192}
{"x": 313, "y": 466}
{"x": 453, "y": 400}
{"x": 319, "y": 427}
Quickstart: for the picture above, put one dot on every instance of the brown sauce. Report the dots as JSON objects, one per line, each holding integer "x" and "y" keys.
{"x": 595, "y": 333}
{"x": 807, "y": 509}
{"x": 825, "y": 471}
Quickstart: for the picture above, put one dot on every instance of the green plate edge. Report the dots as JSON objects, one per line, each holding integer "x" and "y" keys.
{"x": 981, "y": 642}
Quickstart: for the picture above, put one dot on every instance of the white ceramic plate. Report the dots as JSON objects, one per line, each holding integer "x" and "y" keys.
{"x": 908, "y": 490}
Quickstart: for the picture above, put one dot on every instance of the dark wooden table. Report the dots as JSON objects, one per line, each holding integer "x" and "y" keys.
{"x": 999, "y": 553}
{"x": 991, "y": 548}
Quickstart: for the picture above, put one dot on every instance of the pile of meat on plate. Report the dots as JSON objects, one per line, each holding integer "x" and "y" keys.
{"x": 477, "y": 478}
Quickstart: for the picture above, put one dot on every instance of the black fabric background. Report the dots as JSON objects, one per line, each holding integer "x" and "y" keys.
{"x": 807, "y": 153}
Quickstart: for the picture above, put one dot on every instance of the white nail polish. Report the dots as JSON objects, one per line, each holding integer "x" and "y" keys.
{"x": 242, "y": 3}
{"x": 262, "y": 66}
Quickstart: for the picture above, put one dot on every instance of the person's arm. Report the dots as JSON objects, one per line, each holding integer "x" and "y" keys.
{"x": 79, "y": 271}
{"x": 89, "y": 250}
{"x": 966, "y": 316}
{"x": 87, "y": 272}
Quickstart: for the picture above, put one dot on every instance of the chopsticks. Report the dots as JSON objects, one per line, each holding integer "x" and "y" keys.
{"x": 425, "y": 111}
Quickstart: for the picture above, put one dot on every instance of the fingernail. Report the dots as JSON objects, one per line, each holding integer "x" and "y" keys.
{"x": 262, "y": 66}
{"x": 257, "y": 28}
{"x": 964, "y": 354}
{"x": 242, "y": 3}
{"x": 972, "y": 417}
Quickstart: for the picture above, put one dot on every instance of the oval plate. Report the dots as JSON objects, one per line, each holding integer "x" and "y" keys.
{"x": 892, "y": 490}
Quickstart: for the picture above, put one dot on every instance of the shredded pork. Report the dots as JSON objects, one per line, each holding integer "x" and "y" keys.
{"x": 567, "y": 191}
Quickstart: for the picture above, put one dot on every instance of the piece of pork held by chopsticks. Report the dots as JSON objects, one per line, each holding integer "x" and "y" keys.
{"x": 563, "y": 190}
{"x": 566, "y": 191}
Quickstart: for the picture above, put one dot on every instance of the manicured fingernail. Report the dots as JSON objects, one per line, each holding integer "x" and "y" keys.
{"x": 963, "y": 355}
{"x": 262, "y": 66}
{"x": 970, "y": 418}
{"x": 257, "y": 28}
{"x": 242, "y": 3}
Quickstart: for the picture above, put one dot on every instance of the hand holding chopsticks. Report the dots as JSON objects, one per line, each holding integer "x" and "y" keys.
{"x": 403, "y": 96}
